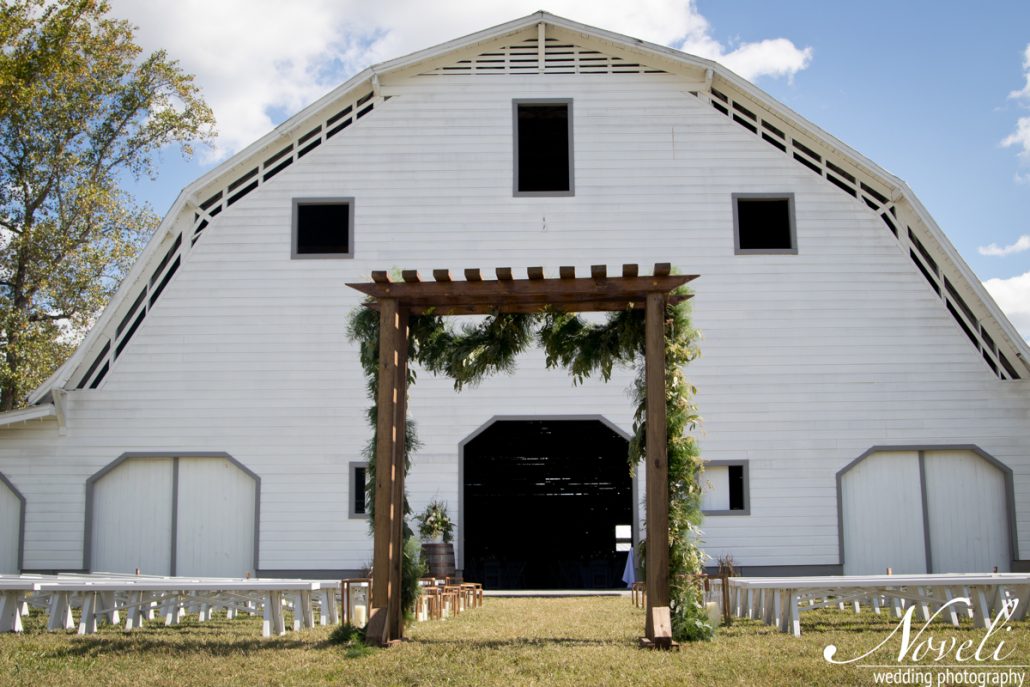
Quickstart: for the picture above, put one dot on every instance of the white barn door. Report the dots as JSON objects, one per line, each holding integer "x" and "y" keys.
{"x": 10, "y": 529}
{"x": 215, "y": 533}
{"x": 206, "y": 504}
{"x": 132, "y": 518}
{"x": 966, "y": 508}
{"x": 883, "y": 515}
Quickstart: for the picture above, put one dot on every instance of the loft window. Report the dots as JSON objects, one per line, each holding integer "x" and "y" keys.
{"x": 727, "y": 488}
{"x": 764, "y": 223}
{"x": 357, "y": 490}
{"x": 543, "y": 147}
{"x": 323, "y": 227}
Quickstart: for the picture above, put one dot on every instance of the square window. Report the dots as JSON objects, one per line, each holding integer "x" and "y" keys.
{"x": 764, "y": 223}
{"x": 358, "y": 493}
{"x": 543, "y": 147}
{"x": 726, "y": 488}
{"x": 323, "y": 227}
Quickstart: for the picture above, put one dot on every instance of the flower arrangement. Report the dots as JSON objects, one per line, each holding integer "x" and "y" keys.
{"x": 434, "y": 523}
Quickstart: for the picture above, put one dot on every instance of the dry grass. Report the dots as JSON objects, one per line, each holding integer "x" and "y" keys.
{"x": 509, "y": 642}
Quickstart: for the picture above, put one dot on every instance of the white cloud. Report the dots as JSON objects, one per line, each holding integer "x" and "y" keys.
{"x": 1020, "y": 138}
{"x": 1013, "y": 297}
{"x": 775, "y": 57}
{"x": 1024, "y": 93}
{"x": 1021, "y": 244}
{"x": 261, "y": 60}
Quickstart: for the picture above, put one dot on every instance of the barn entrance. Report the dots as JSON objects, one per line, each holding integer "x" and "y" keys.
{"x": 546, "y": 504}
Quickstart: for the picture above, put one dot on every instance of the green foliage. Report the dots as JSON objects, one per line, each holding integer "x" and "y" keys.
{"x": 81, "y": 107}
{"x": 434, "y": 521}
{"x": 413, "y": 568}
{"x": 346, "y": 633}
{"x": 480, "y": 349}
{"x": 585, "y": 349}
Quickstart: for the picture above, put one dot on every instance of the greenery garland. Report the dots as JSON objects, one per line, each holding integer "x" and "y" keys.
{"x": 493, "y": 344}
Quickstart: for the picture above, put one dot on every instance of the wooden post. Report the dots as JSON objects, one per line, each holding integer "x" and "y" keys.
{"x": 658, "y": 595}
{"x": 385, "y": 617}
{"x": 400, "y": 406}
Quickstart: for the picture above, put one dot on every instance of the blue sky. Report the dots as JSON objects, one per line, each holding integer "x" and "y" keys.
{"x": 922, "y": 88}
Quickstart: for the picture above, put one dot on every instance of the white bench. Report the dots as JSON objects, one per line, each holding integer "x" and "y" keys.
{"x": 174, "y": 597}
{"x": 779, "y": 601}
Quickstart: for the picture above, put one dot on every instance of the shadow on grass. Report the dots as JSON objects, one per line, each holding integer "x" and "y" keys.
{"x": 517, "y": 642}
{"x": 111, "y": 646}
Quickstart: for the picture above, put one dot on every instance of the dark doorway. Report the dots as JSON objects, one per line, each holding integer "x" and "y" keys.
{"x": 542, "y": 501}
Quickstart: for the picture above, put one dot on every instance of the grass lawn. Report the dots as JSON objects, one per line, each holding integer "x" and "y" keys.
{"x": 509, "y": 642}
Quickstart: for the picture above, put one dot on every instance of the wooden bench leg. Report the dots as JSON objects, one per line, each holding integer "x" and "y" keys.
{"x": 981, "y": 607}
{"x": 59, "y": 613}
{"x": 133, "y": 614}
{"x": 273, "y": 624}
{"x": 10, "y": 611}
{"x": 88, "y": 618}
{"x": 1021, "y": 595}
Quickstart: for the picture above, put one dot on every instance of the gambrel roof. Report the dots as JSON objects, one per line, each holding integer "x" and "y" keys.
{"x": 545, "y": 43}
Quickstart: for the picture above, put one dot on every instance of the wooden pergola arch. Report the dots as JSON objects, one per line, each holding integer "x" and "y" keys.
{"x": 395, "y": 301}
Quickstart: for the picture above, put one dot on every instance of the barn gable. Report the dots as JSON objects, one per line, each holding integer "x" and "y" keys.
{"x": 544, "y": 44}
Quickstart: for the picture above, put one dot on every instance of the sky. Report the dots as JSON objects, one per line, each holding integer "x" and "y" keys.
{"x": 936, "y": 92}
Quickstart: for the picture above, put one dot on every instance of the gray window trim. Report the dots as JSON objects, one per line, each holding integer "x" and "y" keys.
{"x": 351, "y": 491}
{"x": 322, "y": 200}
{"x": 789, "y": 197}
{"x": 87, "y": 537}
{"x": 920, "y": 450}
{"x": 459, "y": 540}
{"x": 21, "y": 518}
{"x": 747, "y": 486}
{"x": 515, "y": 148}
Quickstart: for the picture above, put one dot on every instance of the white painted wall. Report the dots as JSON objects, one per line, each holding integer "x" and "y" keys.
{"x": 132, "y": 518}
{"x": 215, "y": 533}
{"x": 883, "y": 516}
{"x": 965, "y": 498}
{"x": 716, "y": 495}
{"x": 808, "y": 360}
{"x": 10, "y": 517}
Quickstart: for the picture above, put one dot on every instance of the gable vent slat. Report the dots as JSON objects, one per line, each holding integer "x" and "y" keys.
{"x": 870, "y": 191}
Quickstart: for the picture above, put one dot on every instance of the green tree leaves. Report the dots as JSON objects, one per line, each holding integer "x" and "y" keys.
{"x": 80, "y": 107}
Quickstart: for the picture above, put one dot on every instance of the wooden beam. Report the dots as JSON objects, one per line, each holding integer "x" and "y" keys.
{"x": 662, "y": 269}
{"x": 567, "y": 272}
{"x": 535, "y": 273}
{"x": 442, "y": 275}
{"x": 542, "y": 306}
{"x": 599, "y": 271}
{"x": 629, "y": 270}
{"x": 522, "y": 290}
{"x": 503, "y": 273}
{"x": 410, "y": 276}
{"x": 473, "y": 275}
{"x": 657, "y": 567}
{"x": 387, "y": 547}
{"x": 380, "y": 277}
{"x": 400, "y": 386}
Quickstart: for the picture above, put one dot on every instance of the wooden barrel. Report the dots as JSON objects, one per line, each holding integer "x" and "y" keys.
{"x": 440, "y": 558}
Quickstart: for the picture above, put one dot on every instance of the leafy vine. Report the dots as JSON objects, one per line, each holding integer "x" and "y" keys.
{"x": 493, "y": 344}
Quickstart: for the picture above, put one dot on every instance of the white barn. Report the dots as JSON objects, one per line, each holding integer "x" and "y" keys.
{"x": 865, "y": 402}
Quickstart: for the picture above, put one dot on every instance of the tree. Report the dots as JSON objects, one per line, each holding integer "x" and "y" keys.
{"x": 81, "y": 108}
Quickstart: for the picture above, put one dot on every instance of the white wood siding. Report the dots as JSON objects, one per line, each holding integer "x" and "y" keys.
{"x": 967, "y": 513}
{"x": 808, "y": 360}
{"x": 215, "y": 533}
{"x": 132, "y": 518}
{"x": 10, "y": 515}
{"x": 883, "y": 516}
{"x": 716, "y": 494}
